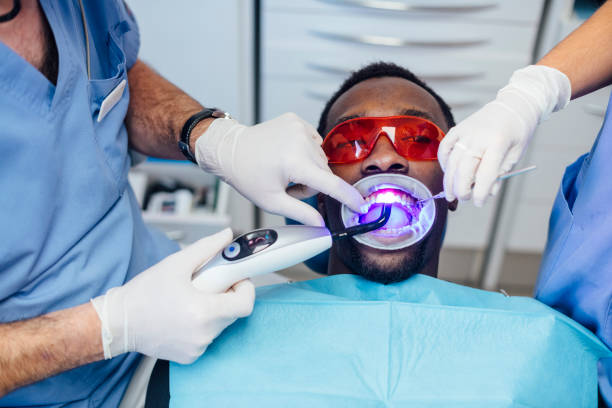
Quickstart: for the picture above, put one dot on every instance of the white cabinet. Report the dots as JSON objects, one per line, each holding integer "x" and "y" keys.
{"x": 464, "y": 49}
{"x": 206, "y": 48}
{"x": 201, "y": 220}
{"x": 499, "y": 11}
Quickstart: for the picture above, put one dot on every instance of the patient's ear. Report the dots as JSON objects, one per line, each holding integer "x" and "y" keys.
{"x": 453, "y": 205}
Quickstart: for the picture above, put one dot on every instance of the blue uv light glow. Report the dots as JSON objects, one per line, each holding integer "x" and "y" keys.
{"x": 405, "y": 211}
{"x": 409, "y": 221}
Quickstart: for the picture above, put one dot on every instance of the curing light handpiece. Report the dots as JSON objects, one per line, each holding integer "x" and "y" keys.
{"x": 272, "y": 249}
{"x": 385, "y": 213}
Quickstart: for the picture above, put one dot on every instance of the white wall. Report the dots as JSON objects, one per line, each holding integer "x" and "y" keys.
{"x": 206, "y": 48}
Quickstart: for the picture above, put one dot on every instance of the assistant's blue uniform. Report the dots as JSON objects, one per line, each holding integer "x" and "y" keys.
{"x": 576, "y": 272}
{"x": 70, "y": 225}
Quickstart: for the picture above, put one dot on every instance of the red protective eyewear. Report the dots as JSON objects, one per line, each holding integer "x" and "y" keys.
{"x": 413, "y": 138}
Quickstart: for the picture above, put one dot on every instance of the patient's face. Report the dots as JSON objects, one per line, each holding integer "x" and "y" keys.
{"x": 387, "y": 96}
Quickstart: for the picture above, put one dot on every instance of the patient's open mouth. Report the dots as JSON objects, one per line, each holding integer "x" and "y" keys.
{"x": 409, "y": 221}
{"x": 405, "y": 210}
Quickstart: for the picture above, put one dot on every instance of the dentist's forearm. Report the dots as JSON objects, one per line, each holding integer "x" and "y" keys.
{"x": 585, "y": 56}
{"x": 38, "y": 348}
{"x": 157, "y": 112}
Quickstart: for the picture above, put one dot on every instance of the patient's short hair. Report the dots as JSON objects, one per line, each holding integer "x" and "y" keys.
{"x": 378, "y": 70}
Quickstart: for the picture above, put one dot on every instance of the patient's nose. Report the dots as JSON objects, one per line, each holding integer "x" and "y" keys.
{"x": 384, "y": 158}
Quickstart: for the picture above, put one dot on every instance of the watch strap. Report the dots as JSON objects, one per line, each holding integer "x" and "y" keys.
{"x": 190, "y": 124}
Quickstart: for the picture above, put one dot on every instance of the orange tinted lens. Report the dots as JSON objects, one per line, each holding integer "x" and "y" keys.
{"x": 349, "y": 141}
{"x": 417, "y": 139}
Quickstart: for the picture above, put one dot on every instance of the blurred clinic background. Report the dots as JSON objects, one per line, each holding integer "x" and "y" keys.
{"x": 259, "y": 59}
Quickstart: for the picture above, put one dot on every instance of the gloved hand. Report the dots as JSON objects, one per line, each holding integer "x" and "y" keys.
{"x": 161, "y": 314}
{"x": 492, "y": 140}
{"x": 260, "y": 161}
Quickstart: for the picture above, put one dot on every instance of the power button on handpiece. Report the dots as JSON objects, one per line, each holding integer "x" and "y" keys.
{"x": 232, "y": 250}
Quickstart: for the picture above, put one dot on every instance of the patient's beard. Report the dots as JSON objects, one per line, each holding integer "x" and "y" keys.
{"x": 391, "y": 267}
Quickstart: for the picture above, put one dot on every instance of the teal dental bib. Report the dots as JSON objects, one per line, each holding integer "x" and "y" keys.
{"x": 343, "y": 341}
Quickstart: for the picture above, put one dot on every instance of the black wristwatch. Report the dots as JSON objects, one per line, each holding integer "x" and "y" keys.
{"x": 191, "y": 123}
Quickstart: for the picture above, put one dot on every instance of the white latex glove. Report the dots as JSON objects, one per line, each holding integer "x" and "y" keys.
{"x": 491, "y": 141}
{"x": 260, "y": 161}
{"x": 161, "y": 314}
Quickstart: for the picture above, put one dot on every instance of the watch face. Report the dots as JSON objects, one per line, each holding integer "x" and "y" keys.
{"x": 221, "y": 114}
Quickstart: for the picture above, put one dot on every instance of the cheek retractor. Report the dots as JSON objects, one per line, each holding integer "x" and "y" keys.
{"x": 412, "y": 211}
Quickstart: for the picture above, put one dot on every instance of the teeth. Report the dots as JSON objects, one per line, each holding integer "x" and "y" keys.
{"x": 398, "y": 196}
{"x": 396, "y": 231}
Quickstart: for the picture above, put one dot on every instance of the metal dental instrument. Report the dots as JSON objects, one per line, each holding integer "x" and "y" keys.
{"x": 501, "y": 177}
{"x": 271, "y": 249}
{"x": 516, "y": 172}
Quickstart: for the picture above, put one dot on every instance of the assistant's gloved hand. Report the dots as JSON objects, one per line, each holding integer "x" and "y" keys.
{"x": 260, "y": 161}
{"x": 161, "y": 314}
{"x": 489, "y": 142}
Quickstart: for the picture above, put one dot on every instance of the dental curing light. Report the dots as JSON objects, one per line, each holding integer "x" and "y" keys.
{"x": 412, "y": 211}
{"x": 272, "y": 249}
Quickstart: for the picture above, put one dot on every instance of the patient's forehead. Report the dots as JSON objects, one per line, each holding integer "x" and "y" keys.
{"x": 386, "y": 96}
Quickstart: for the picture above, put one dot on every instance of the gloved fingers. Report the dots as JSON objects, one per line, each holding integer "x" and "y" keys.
{"x": 300, "y": 191}
{"x": 496, "y": 187}
{"x": 238, "y": 300}
{"x": 308, "y": 128}
{"x": 449, "y": 174}
{"x": 464, "y": 176}
{"x": 326, "y": 182}
{"x": 314, "y": 135}
{"x": 323, "y": 161}
{"x": 487, "y": 173}
{"x": 295, "y": 209}
{"x": 446, "y": 147}
{"x": 193, "y": 357}
{"x": 200, "y": 252}
{"x": 513, "y": 156}
{"x": 316, "y": 156}
{"x": 460, "y": 173}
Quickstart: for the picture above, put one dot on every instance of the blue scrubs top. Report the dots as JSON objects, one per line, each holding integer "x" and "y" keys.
{"x": 71, "y": 227}
{"x": 576, "y": 273}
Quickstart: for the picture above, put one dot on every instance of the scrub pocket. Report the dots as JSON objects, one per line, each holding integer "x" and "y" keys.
{"x": 115, "y": 67}
{"x": 561, "y": 223}
{"x": 110, "y": 132}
